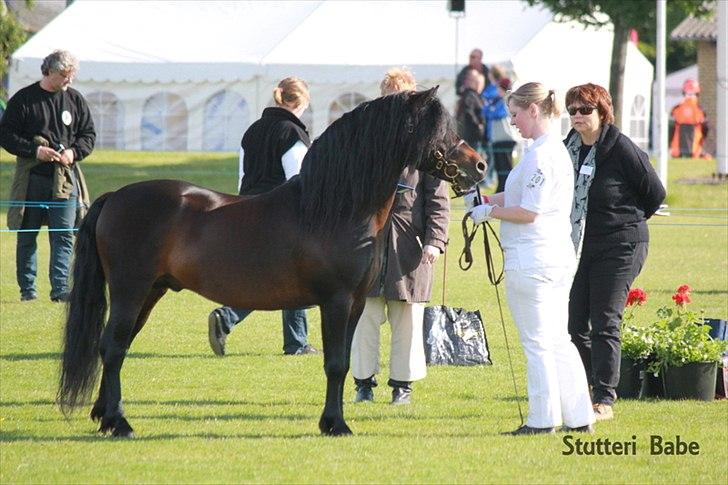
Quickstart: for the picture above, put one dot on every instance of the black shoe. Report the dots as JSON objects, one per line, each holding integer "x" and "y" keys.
{"x": 216, "y": 333}
{"x": 29, "y": 296}
{"x": 401, "y": 395}
{"x": 364, "y": 394}
{"x": 589, "y": 429}
{"x": 305, "y": 350}
{"x": 527, "y": 430}
{"x": 62, "y": 298}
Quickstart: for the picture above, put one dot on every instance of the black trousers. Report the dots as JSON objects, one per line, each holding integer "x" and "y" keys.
{"x": 596, "y": 303}
{"x": 503, "y": 158}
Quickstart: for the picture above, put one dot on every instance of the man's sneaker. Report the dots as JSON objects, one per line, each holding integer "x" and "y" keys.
{"x": 306, "y": 349}
{"x": 527, "y": 430}
{"x": 29, "y": 296}
{"x": 588, "y": 429}
{"x": 364, "y": 394}
{"x": 603, "y": 411}
{"x": 216, "y": 332}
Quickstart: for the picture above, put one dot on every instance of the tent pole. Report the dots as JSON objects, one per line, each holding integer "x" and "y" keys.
{"x": 661, "y": 142}
{"x": 721, "y": 158}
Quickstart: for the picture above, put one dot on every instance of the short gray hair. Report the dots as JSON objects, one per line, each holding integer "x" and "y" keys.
{"x": 59, "y": 61}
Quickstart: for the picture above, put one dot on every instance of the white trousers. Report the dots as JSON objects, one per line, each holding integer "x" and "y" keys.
{"x": 558, "y": 392}
{"x": 407, "y": 356}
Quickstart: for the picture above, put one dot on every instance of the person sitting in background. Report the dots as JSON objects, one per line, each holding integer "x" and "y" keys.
{"x": 272, "y": 150}
{"x": 616, "y": 191}
{"x": 502, "y": 138}
{"x": 469, "y": 113}
{"x": 417, "y": 235}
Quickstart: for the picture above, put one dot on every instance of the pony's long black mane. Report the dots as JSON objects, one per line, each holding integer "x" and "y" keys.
{"x": 353, "y": 167}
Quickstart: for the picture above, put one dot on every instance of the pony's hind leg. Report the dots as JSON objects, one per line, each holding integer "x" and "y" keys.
{"x": 334, "y": 319}
{"x": 99, "y": 409}
{"x": 128, "y": 315}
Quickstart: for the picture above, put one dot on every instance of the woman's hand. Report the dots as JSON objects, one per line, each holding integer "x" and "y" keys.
{"x": 429, "y": 254}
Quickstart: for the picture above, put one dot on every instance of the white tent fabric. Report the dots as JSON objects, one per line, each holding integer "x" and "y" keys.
{"x": 179, "y": 75}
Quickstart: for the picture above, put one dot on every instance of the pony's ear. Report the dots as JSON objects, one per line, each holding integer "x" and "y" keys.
{"x": 419, "y": 99}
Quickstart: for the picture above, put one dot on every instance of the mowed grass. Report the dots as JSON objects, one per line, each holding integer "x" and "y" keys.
{"x": 252, "y": 416}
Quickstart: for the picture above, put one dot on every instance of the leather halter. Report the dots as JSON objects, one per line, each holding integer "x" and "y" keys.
{"x": 447, "y": 168}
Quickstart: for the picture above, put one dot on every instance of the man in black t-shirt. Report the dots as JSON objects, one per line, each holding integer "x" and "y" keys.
{"x": 48, "y": 127}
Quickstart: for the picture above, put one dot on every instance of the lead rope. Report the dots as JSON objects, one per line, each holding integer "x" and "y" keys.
{"x": 466, "y": 261}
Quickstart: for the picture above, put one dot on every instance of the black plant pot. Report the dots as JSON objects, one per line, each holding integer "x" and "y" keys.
{"x": 630, "y": 380}
{"x": 695, "y": 380}
{"x": 652, "y": 386}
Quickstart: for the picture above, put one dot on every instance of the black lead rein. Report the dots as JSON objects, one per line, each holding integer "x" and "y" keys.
{"x": 466, "y": 261}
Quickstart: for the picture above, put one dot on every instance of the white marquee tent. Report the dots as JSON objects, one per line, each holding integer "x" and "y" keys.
{"x": 182, "y": 75}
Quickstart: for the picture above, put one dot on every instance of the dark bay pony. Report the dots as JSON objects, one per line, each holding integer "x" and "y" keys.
{"x": 312, "y": 241}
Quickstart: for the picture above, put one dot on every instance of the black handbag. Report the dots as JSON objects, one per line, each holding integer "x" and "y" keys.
{"x": 454, "y": 336}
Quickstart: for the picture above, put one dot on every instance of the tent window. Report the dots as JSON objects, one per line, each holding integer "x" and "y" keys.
{"x": 306, "y": 116}
{"x": 108, "y": 116}
{"x": 638, "y": 122}
{"x": 344, "y": 103}
{"x": 226, "y": 117}
{"x": 164, "y": 123}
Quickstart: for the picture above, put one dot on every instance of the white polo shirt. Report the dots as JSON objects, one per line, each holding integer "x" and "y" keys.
{"x": 542, "y": 182}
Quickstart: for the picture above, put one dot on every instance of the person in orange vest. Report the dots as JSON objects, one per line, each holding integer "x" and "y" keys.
{"x": 690, "y": 124}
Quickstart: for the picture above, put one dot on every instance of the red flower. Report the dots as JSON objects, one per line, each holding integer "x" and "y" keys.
{"x": 681, "y": 299}
{"x": 683, "y": 290}
{"x": 636, "y": 296}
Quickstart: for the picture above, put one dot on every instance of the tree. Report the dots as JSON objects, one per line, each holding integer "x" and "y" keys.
{"x": 623, "y": 15}
{"x": 12, "y": 36}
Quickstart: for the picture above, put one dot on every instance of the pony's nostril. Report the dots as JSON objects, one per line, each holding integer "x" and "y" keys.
{"x": 481, "y": 166}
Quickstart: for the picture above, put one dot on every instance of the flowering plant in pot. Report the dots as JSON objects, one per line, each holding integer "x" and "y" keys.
{"x": 683, "y": 351}
{"x": 638, "y": 343}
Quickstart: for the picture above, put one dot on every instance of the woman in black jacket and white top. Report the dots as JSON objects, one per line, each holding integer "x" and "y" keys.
{"x": 271, "y": 152}
{"x": 616, "y": 191}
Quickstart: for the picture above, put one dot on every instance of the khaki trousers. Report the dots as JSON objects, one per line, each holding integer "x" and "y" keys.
{"x": 407, "y": 356}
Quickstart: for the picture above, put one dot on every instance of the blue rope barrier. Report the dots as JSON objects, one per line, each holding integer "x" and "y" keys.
{"x": 39, "y": 230}
{"x": 36, "y": 203}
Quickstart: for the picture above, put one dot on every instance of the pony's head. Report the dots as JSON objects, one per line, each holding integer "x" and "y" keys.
{"x": 445, "y": 155}
{"x": 353, "y": 167}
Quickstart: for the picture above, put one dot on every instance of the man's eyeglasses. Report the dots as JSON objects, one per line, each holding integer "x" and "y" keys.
{"x": 584, "y": 110}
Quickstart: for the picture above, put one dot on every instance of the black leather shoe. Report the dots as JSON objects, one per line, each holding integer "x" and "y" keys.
{"x": 401, "y": 395}
{"x": 527, "y": 430}
{"x": 62, "y": 298}
{"x": 589, "y": 429}
{"x": 28, "y": 296}
{"x": 364, "y": 394}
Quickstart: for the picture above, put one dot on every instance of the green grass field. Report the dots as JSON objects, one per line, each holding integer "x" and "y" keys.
{"x": 252, "y": 416}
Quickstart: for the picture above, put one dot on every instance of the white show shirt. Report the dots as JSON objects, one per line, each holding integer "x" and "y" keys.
{"x": 542, "y": 182}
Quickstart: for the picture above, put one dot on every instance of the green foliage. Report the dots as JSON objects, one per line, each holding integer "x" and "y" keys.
{"x": 12, "y": 36}
{"x": 682, "y": 338}
{"x": 638, "y": 342}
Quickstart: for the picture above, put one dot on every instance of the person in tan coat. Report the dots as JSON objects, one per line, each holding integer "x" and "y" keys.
{"x": 417, "y": 236}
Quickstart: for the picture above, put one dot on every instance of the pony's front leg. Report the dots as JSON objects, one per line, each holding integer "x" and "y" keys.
{"x": 335, "y": 316}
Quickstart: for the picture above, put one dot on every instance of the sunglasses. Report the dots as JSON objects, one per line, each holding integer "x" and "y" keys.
{"x": 584, "y": 110}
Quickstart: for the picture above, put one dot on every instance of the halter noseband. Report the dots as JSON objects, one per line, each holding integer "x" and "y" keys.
{"x": 445, "y": 166}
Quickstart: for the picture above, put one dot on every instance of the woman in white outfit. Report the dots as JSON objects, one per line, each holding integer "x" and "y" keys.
{"x": 539, "y": 264}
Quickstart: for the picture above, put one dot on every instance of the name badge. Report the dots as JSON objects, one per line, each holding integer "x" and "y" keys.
{"x": 586, "y": 170}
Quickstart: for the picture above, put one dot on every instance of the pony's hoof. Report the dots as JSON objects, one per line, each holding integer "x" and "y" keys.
{"x": 331, "y": 428}
{"x": 123, "y": 429}
{"x": 97, "y": 412}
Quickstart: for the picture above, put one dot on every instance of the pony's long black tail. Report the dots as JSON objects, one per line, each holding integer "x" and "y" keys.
{"x": 85, "y": 316}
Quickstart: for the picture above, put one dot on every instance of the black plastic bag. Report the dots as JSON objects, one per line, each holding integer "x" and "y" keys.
{"x": 454, "y": 336}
